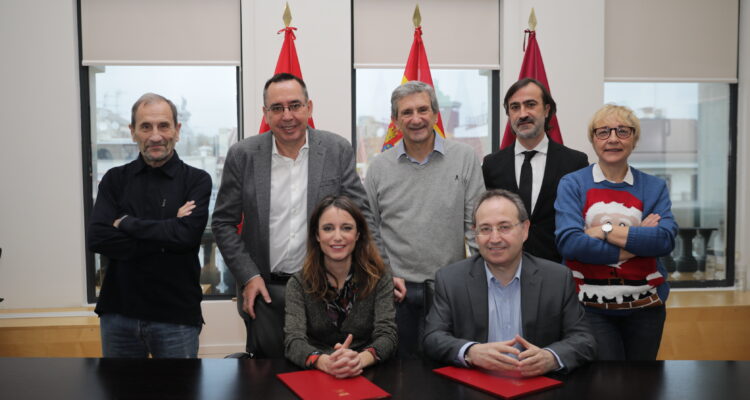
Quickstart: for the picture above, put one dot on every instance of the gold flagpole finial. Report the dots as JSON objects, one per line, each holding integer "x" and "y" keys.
{"x": 287, "y": 15}
{"x": 532, "y": 20}
{"x": 417, "y": 18}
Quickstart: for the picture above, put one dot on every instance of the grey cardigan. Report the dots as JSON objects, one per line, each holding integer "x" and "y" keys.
{"x": 308, "y": 328}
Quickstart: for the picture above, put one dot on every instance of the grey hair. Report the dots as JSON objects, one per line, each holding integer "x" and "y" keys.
{"x": 409, "y": 88}
{"x": 149, "y": 98}
{"x": 505, "y": 194}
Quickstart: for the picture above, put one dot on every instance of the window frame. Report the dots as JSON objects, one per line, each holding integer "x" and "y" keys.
{"x": 731, "y": 211}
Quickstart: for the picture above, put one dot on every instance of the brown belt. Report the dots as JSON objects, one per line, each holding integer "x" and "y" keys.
{"x": 649, "y": 301}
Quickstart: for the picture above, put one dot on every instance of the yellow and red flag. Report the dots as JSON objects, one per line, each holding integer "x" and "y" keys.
{"x": 417, "y": 69}
{"x": 289, "y": 63}
{"x": 533, "y": 67}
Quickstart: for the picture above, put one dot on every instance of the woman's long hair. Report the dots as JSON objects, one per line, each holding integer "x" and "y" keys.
{"x": 367, "y": 266}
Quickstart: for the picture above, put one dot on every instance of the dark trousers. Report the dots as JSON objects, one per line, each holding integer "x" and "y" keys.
{"x": 410, "y": 316}
{"x": 265, "y": 333}
{"x": 632, "y": 336}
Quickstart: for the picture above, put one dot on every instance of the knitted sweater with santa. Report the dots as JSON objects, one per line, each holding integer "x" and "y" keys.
{"x": 575, "y": 194}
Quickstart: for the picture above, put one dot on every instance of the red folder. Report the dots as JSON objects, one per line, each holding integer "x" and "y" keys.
{"x": 503, "y": 386}
{"x": 317, "y": 385}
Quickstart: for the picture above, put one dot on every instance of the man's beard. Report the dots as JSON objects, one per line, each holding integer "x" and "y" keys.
{"x": 529, "y": 134}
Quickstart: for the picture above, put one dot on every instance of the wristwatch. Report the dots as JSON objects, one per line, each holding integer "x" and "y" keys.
{"x": 606, "y": 228}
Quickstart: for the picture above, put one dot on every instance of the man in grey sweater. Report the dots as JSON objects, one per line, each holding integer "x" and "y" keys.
{"x": 421, "y": 193}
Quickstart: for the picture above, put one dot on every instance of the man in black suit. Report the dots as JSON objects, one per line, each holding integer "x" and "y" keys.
{"x": 533, "y": 165}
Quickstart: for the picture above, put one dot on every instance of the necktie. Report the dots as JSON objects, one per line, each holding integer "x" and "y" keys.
{"x": 524, "y": 186}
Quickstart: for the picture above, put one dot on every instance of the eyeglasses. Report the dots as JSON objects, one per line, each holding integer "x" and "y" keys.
{"x": 503, "y": 229}
{"x": 278, "y": 109}
{"x": 622, "y": 132}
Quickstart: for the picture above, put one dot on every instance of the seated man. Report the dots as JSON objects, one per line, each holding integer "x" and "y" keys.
{"x": 505, "y": 310}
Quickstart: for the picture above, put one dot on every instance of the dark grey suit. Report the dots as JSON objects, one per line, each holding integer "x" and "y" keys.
{"x": 246, "y": 190}
{"x": 550, "y": 312}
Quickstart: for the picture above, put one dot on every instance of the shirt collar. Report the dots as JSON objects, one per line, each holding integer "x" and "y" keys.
{"x": 598, "y": 175}
{"x": 491, "y": 277}
{"x": 275, "y": 150}
{"x": 439, "y": 147}
{"x": 169, "y": 168}
{"x": 540, "y": 147}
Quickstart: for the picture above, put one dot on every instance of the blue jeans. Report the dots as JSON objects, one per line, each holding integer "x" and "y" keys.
{"x": 410, "y": 316}
{"x": 125, "y": 337}
{"x": 635, "y": 335}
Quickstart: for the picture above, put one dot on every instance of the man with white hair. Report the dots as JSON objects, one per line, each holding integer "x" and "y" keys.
{"x": 421, "y": 193}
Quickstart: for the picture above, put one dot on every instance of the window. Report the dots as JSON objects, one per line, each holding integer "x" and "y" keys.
{"x": 465, "y": 100}
{"x": 206, "y": 101}
{"x": 686, "y": 134}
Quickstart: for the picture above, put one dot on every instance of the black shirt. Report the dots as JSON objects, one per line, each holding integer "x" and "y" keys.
{"x": 154, "y": 271}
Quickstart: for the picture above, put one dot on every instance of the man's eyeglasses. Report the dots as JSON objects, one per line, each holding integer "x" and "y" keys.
{"x": 622, "y": 132}
{"x": 278, "y": 109}
{"x": 503, "y": 229}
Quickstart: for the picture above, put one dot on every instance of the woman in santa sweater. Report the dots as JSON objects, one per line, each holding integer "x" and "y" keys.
{"x": 612, "y": 223}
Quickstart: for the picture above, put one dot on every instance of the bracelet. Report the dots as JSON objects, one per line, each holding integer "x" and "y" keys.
{"x": 312, "y": 359}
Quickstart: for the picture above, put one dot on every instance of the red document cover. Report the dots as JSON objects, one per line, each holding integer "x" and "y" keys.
{"x": 503, "y": 386}
{"x": 317, "y": 385}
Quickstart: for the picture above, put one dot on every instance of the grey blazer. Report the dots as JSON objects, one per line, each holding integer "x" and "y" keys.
{"x": 246, "y": 189}
{"x": 308, "y": 328}
{"x": 550, "y": 312}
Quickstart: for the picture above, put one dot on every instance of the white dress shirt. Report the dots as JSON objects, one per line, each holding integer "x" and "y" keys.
{"x": 538, "y": 163}
{"x": 598, "y": 175}
{"x": 288, "y": 213}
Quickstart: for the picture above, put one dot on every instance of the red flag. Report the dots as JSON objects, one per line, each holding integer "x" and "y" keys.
{"x": 417, "y": 69}
{"x": 533, "y": 67}
{"x": 289, "y": 63}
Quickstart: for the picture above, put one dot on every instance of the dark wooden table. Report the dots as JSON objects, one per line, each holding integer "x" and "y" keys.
{"x": 89, "y": 378}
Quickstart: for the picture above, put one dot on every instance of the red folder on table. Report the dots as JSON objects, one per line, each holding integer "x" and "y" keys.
{"x": 504, "y": 386}
{"x": 317, "y": 385}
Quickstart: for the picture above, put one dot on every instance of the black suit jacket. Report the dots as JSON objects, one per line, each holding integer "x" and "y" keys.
{"x": 551, "y": 314}
{"x": 499, "y": 169}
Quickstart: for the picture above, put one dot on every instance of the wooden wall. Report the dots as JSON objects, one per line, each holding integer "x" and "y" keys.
{"x": 703, "y": 325}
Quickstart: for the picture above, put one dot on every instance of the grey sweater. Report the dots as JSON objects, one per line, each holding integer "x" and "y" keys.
{"x": 424, "y": 211}
{"x": 308, "y": 328}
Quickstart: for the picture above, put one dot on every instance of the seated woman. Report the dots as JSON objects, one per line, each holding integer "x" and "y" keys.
{"x": 612, "y": 223}
{"x": 340, "y": 315}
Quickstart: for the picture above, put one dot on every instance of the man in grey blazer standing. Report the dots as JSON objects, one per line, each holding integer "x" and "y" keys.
{"x": 271, "y": 182}
{"x": 506, "y": 310}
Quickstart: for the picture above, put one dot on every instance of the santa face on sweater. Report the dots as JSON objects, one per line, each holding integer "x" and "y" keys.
{"x": 619, "y": 208}
{"x": 623, "y": 218}
{"x": 627, "y": 280}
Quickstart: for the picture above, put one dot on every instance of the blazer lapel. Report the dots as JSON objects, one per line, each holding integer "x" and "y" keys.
{"x": 531, "y": 290}
{"x": 315, "y": 157}
{"x": 508, "y": 163}
{"x": 477, "y": 289}
{"x": 549, "y": 187}
{"x": 262, "y": 181}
